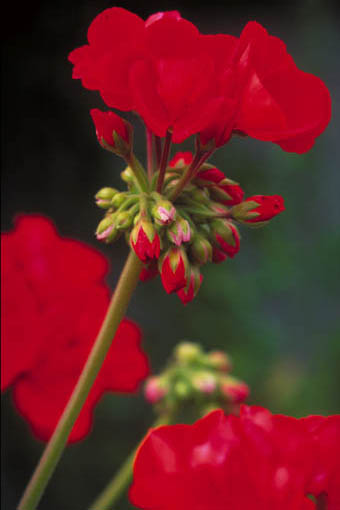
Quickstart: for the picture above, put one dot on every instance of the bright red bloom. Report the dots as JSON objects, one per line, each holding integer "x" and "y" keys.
{"x": 178, "y": 79}
{"x": 279, "y": 102}
{"x": 265, "y": 207}
{"x": 173, "y": 270}
{"x": 106, "y": 123}
{"x": 256, "y": 461}
{"x": 145, "y": 241}
{"x": 54, "y": 300}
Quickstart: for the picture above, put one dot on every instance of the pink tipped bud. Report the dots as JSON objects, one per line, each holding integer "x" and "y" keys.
{"x": 104, "y": 197}
{"x": 106, "y": 230}
{"x": 145, "y": 240}
{"x": 113, "y": 132}
{"x": 163, "y": 212}
{"x": 192, "y": 287}
{"x": 205, "y": 382}
{"x": 154, "y": 390}
{"x": 219, "y": 360}
{"x": 174, "y": 269}
{"x": 234, "y": 390}
{"x": 226, "y": 236}
{"x": 179, "y": 232}
{"x": 258, "y": 209}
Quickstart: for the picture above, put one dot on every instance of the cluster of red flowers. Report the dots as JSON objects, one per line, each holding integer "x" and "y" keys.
{"x": 184, "y": 82}
{"x": 256, "y": 461}
{"x": 54, "y": 299}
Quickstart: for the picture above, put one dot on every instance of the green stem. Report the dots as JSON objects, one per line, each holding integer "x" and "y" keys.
{"x": 122, "y": 478}
{"x": 126, "y": 285}
{"x": 139, "y": 172}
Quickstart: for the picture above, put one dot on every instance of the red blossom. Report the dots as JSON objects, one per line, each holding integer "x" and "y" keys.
{"x": 187, "y": 293}
{"x": 106, "y": 123}
{"x": 228, "y": 244}
{"x": 180, "y": 80}
{"x": 256, "y": 461}
{"x": 54, "y": 300}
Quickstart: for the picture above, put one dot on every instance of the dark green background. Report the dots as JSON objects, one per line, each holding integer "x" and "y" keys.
{"x": 274, "y": 308}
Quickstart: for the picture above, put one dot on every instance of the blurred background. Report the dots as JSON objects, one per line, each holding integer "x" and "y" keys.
{"x": 274, "y": 308}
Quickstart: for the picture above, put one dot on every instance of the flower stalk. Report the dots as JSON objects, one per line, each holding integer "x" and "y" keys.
{"x": 126, "y": 285}
{"x": 164, "y": 161}
{"x": 123, "y": 477}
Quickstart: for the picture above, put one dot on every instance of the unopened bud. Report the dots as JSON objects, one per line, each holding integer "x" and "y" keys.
{"x": 179, "y": 232}
{"x": 127, "y": 175}
{"x": 234, "y": 390}
{"x": 163, "y": 212}
{"x": 258, "y": 210}
{"x": 124, "y": 220}
{"x": 205, "y": 382}
{"x": 188, "y": 352}
{"x": 219, "y": 360}
{"x": 104, "y": 197}
{"x": 155, "y": 389}
{"x": 118, "y": 199}
{"x": 201, "y": 249}
{"x": 182, "y": 389}
{"x": 106, "y": 230}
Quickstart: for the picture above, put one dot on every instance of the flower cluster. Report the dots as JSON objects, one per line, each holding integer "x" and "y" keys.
{"x": 177, "y": 238}
{"x": 197, "y": 378}
{"x": 184, "y": 82}
{"x": 256, "y": 461}
{"x": 54, "y": 298}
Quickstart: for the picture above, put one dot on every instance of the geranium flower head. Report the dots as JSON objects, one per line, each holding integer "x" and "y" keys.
{"x": 54, "y": 299}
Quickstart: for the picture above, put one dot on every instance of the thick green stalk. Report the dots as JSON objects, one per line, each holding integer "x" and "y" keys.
{"x": 122, "y": 478}
{"x": 139, "y": 172}
{"x": 126, "y": 285}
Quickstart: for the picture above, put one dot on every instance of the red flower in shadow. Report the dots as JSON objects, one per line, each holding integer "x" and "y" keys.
{"x": 54, "y": 300}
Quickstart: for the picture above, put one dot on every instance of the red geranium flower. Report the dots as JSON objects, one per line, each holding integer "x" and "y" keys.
{"x": 108, "y": 125}
{"x": 54, "y": 299}
{"x": 256, "y": 461}
{"x": 180, "y": 80}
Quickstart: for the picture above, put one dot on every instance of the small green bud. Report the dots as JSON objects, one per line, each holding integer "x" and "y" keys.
{"x": 124, "y": 220}
{"x": 201, "y": 250}
{"x": 104, "y": 197}
{"x": 188, "y": 352}
{"x": 118, "y": 199}
{"x": 106, "y": 230}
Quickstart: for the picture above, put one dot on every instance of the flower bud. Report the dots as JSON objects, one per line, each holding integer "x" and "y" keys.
{"x": 182, "y": 389}
{"x": 163, "y": 212}
{"x": 174, "y": 267}
{"x": 218, "y": 256}
{"x": 234, "y": 390}
{"x": 221, "y": 189}
{"x": 113, "y": 132}
{"x": 104, "y": 197}
{"x": 145, "y": 240}
{"x": 205, "y": 382}
{"x": 118, "y": 199}
{"x": 201, "y": 249}
{"x": 127, "y": 175}
{"x": 124, "y": 220}
{"x": 219, "y": 360}
{"x": 226, "y": 236}
{"x": 192, "y": 287}
{"x": 155, "y": 389}
{"x": 106, "y": 230}
{"x": 179, "y": 232}
{"x": 258, "y": 209}
{"x": 188, "y": 352}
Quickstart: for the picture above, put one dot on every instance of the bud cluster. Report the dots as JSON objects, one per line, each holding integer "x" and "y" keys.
{"x": 176, "y": 238}
{"x": 197, "y": 378}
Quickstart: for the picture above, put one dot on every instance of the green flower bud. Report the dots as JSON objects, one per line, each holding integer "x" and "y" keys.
{"x": 188, "y": 352}
{"x": 104, "y": 197}
{"x": 201, "y": 250}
